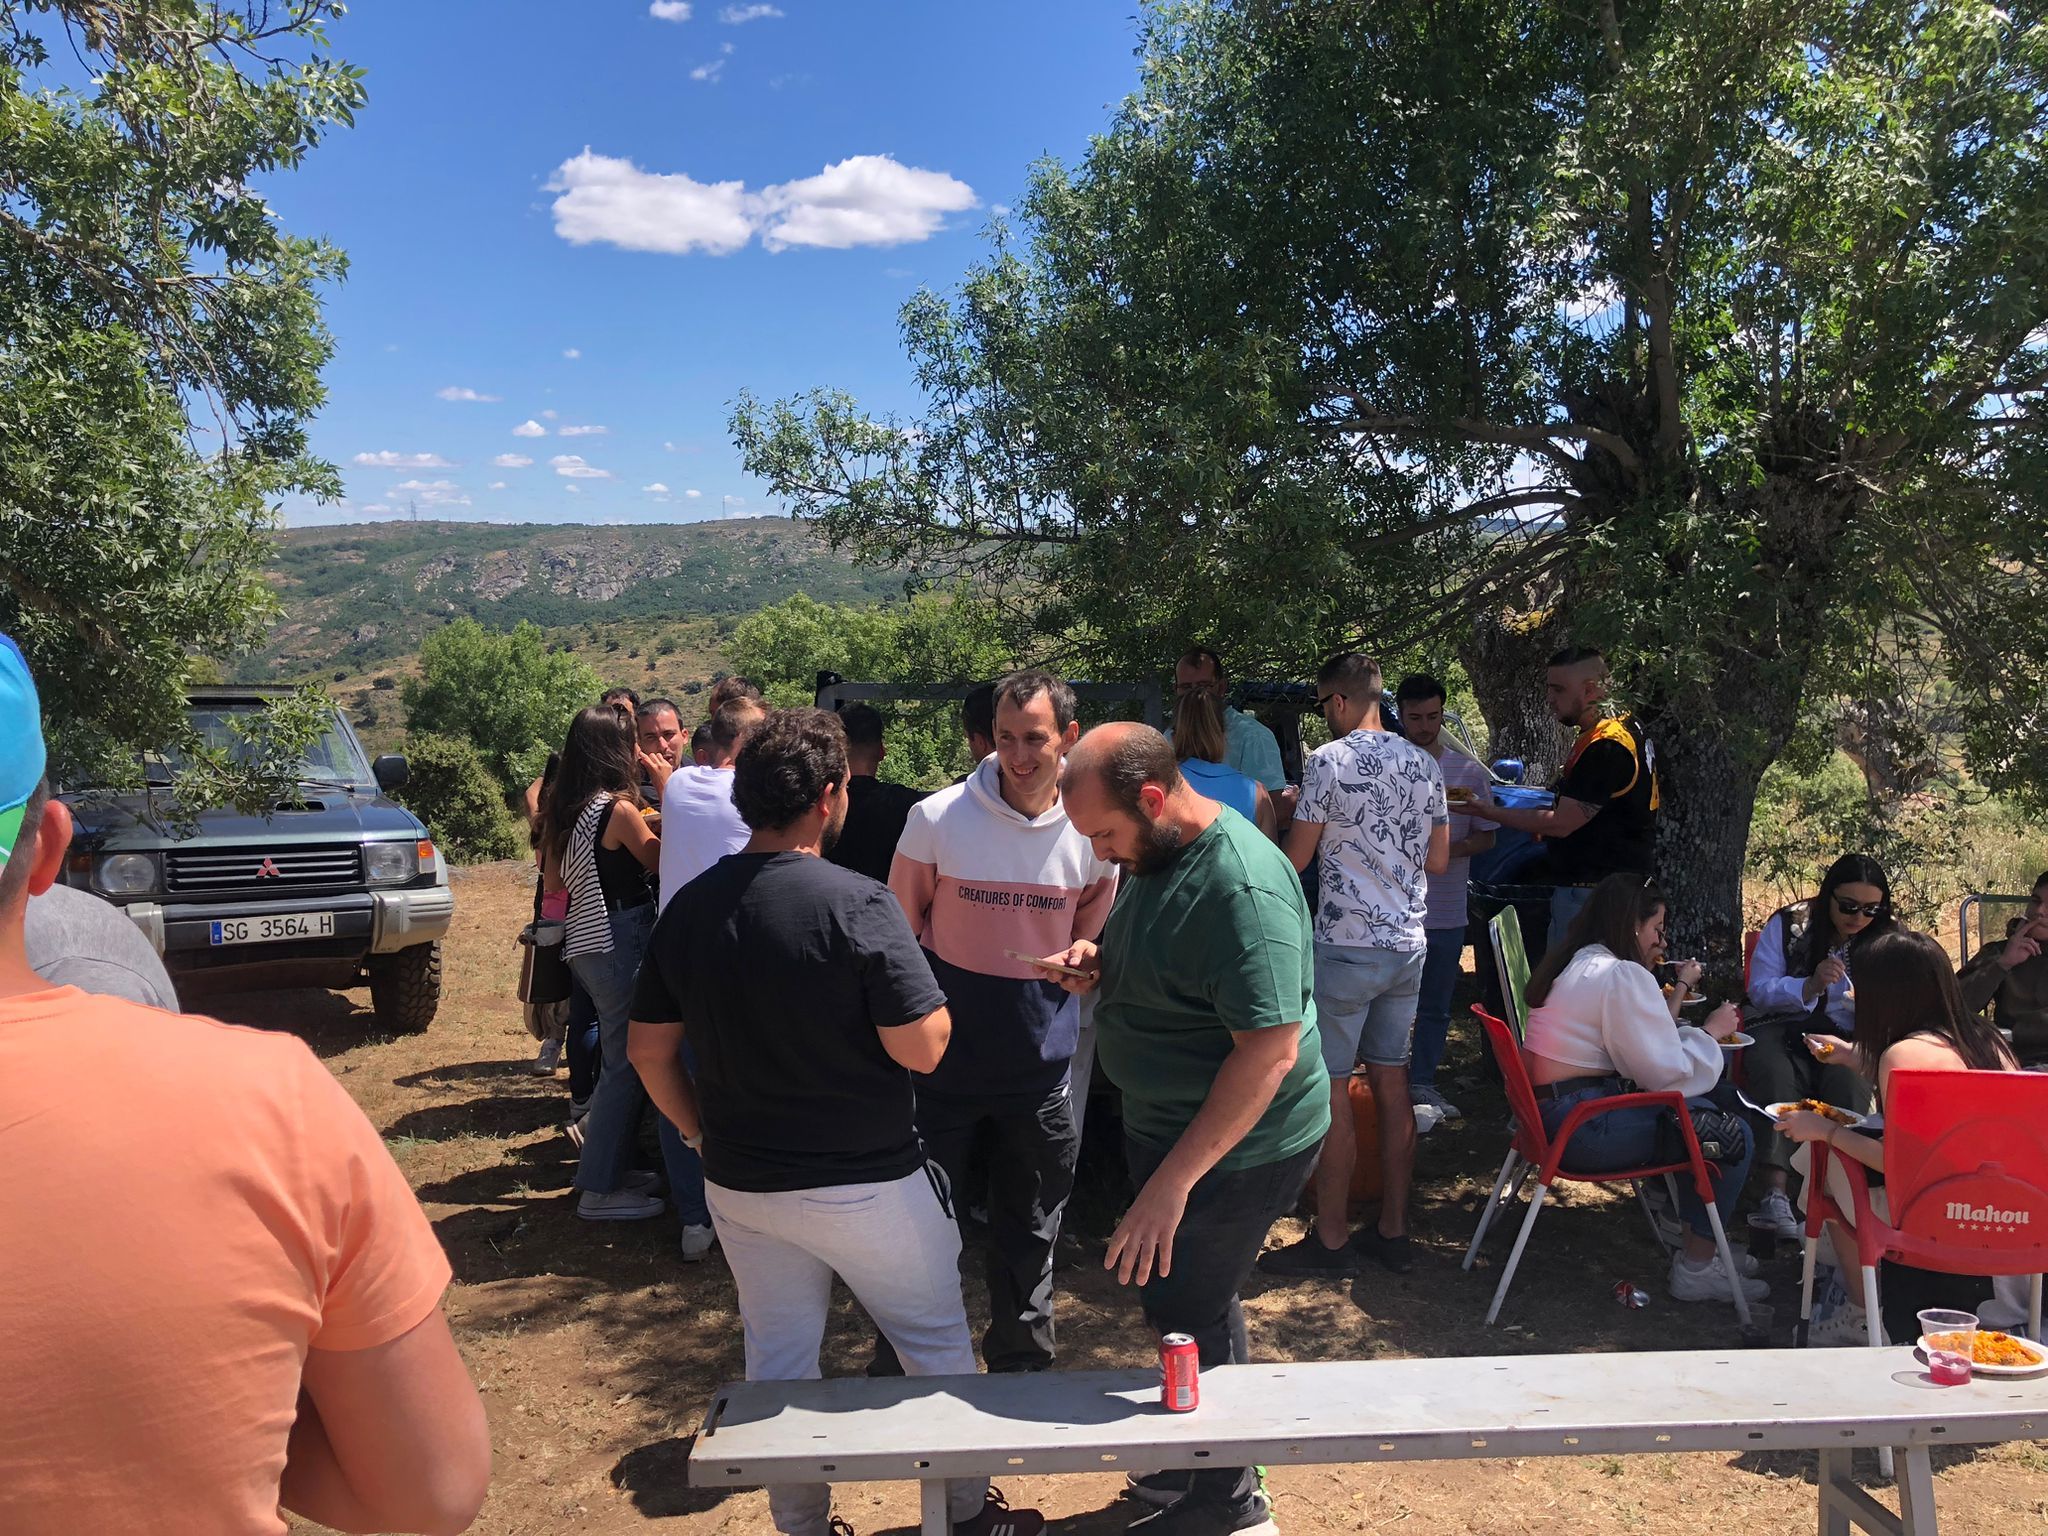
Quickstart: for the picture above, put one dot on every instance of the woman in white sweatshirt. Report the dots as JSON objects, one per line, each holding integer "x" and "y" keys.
{"x": 1598, "y": 1026}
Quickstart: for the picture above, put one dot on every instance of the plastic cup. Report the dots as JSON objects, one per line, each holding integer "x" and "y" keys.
{"x": 1951, "y": 1343}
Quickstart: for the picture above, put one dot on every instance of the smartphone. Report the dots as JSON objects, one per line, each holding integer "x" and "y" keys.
{"x": 1047, "y": 965}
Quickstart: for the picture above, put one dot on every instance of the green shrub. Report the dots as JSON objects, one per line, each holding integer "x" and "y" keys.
{"x": 451, "y": 790}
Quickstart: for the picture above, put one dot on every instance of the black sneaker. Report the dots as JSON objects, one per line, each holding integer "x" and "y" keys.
{"x": 1159, "y": 1489}
{"x": 1203, "y": 1517}
{"x": 998, "y": 1519}
{"x": 1396, "y": 1253}
{"x": 1308, "y": 1257}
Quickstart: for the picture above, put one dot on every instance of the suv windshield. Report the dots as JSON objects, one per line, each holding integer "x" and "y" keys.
{"x": 331, "y": 758}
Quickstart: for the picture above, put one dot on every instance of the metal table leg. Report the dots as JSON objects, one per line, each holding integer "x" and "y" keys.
{"x": 938, "y": 1519}
{"x": 1916, "y": 1493}
{"x": 1844, "y": 1506}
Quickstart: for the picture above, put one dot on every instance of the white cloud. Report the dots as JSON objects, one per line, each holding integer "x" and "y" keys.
{"x": 572, "y": 466}
{"x": 571, "y": 353}
{"x": 573, "y": 490}
{"x": 656, "y": 489}
{"x": 693, "y": 494}
{"x": 374, "y": 506}
{"x": 386, "y": 459}
{"x": 458, "y": 392}
{"x": 432, "y": 493}
{"x": 549, "y": 415}
{"x": 512, "y": 461}
{"x": 867, "y": 200}
{"x": 670, "y": 10}
{"x": 592, "y": 431}
{"x": 740, "y": 15}
{"x": 668, "y": 447}
{"x": 863, "y": 200}
{"x": 709, "y": 73}
{"x": 495, "y": 485}
{"x": 529, "y": 428}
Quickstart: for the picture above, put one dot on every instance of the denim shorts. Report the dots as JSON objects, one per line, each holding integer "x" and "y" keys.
{"x": 1365, "y": 1005}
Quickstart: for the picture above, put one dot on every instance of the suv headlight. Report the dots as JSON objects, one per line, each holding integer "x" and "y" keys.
{"x": 390, "y": 863}
{"x": 125, "y": 874}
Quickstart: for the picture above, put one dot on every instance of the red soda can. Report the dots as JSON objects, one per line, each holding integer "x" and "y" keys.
{"x": 1180, "y": 1382}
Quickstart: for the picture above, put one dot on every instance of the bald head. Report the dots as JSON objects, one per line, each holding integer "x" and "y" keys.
{"x": 1123, "y": 791}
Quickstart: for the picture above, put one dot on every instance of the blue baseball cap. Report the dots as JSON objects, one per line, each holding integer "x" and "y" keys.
{"x": 21, "y": 743}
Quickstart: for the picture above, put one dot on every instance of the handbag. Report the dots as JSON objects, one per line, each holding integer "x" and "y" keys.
{"x": 543, "y": 973}
{"x": 1720, "y": 1132}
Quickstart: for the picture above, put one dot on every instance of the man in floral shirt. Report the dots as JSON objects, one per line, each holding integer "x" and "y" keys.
{"x": 1372, "y": 806}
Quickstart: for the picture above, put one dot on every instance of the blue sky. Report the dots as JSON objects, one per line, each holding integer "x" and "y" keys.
{"x": 604, "y": 217}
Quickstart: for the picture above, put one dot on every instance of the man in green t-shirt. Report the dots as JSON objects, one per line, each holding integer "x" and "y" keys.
{"x": 1205, "y": 1020}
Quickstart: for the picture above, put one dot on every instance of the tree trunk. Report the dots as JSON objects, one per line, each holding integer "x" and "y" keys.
{"x": 1505, "y": 655}
{"x": 1709, "y": 797}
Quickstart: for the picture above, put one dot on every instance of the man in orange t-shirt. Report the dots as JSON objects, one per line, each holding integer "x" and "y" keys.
{"x": 217, "y": 1294}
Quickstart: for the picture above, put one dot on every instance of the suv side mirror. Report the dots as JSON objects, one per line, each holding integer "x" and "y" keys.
{"x": 390, "y": 771}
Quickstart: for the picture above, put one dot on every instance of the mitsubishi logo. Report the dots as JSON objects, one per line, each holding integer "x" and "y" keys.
{"x": 267, "y": 871}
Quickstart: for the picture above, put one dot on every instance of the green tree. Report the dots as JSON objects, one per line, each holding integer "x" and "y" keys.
{"x": 1718, "y": 328}
{"x": 160, "y": 353}
{"x": 933, "y": 638}
{"x": 506, "y": 694}
{"x": 449, "y": 788}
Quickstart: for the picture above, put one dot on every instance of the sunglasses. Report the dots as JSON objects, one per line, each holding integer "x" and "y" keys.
{"x": 1323, "y": 699}
{"x": 1859, "y": 908}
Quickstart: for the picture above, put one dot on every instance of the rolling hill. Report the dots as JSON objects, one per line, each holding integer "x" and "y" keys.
{"x": 362, "y": 595}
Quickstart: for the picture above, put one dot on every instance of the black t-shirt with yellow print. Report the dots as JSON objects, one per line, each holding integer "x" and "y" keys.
{"x": 1612, "y": 768}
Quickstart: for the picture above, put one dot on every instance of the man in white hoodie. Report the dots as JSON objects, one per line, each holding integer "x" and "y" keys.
{"x": 985, "y": 868}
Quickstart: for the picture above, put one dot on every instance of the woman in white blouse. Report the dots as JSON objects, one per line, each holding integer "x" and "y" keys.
{"x": 1598, "y": 1026}
{"x": 1800, "y": 984}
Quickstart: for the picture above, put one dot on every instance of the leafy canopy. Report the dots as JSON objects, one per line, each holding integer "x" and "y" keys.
{"x": 160, "y": 351}
{"x": 506, "y": 694}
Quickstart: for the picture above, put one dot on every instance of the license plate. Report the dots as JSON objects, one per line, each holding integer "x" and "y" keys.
{"x": 271, "y": 928}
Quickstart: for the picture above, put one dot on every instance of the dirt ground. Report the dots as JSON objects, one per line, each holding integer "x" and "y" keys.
{"x": 597, "y": 1348}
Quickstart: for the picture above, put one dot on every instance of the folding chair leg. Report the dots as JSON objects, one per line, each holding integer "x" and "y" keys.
{"x": 2034, "y": 1307}
{"x": 1728, "y": 1264}
{"x": 1806, "y": 1290}
{"x": 1515, "y": 1257}
{"x": 1492, "y": 1204}
{"x": 1875, "y": 1325}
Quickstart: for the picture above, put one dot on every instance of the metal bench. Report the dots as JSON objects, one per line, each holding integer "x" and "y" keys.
{"x": 935, "y": 1427}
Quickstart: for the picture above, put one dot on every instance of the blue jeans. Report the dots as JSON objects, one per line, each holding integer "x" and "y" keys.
{"x": 1627, "y": 1138}
{"x": 586, "y": 1056}
{"x": 615, "y": 1108}
{"x": 1365, "y": 1005}
{"x": 1433, "y": 1002}
{"x": 1566, "y": 902}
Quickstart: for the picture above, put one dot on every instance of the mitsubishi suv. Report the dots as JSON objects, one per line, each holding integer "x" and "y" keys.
{"x": 338, "y": 886}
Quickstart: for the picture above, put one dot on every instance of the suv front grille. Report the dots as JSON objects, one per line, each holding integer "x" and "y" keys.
{"x": 259, "y": 870}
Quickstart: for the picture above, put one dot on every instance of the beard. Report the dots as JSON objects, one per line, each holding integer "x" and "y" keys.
{"x": 828, "y": 836}
{"x": 1160, "y": 846}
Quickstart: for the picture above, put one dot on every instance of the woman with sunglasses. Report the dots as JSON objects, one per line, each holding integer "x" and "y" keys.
{"x": 1799, "y": 984}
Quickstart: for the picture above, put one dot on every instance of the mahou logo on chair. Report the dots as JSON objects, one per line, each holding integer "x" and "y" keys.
{"x": 1986, "y": 1218}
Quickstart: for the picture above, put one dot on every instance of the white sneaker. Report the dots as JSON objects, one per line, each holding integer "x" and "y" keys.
{"x": 1847, "y": 1327}
{"x": 619, "y": 1205}
{"x": 549, "y": 1059}
{"x": 1774, "y": 1214}
{"x": 1709, "y": 1281}
{"x": 698, "y": 1241}
{"x": 1427, "y": 1118}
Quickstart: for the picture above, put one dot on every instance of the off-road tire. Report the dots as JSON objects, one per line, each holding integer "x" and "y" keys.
{"x": 405, "y": 988}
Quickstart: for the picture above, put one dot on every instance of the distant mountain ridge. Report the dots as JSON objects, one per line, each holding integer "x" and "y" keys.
{"x": 360, "y": 594}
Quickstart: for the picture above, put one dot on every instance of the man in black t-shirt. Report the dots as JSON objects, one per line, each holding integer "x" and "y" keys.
{"x": 1605, "y": 818}
{"x": 875, "y": 811}
{"x": 808, "y": 1004}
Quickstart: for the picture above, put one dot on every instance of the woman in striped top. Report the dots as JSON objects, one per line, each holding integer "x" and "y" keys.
{"x": 595, "y": 844}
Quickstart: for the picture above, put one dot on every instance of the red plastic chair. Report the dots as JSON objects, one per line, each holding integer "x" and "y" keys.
{"x": 1531, "y": 1149}
{"x": 1966, "y": 1177}
{"x": 1749, "y": 941}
